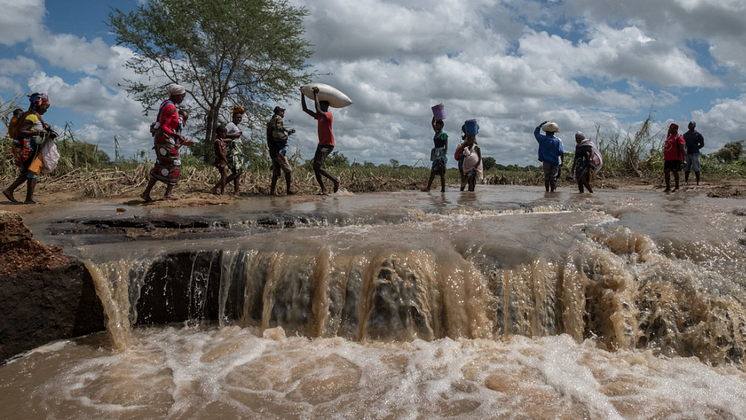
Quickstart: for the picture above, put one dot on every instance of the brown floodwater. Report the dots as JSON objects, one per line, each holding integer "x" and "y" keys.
{"x": 508, "y": 303}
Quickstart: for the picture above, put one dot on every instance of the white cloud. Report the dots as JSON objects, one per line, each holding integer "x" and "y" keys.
{"x": 508, "y": 63}
{"x": 20, "y": 20}
{"x": 73, "y": 53}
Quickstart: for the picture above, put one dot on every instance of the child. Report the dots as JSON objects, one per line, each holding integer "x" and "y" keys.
{"x": 221, "y": 161}
{"x": 15, "y": 123}
{"x": 438, "y": 155}
{"x": 472, "y": 161}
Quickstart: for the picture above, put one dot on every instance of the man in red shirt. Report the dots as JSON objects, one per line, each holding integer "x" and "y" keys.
{"x": 326, "y": 139}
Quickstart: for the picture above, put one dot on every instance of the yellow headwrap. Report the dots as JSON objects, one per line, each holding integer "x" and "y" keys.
{"x": 238, "y": 110}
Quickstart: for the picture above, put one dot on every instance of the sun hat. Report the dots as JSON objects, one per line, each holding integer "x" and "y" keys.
{"x": 551, "y": 126}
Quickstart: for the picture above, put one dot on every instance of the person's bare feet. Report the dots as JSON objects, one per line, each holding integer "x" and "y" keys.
{"x": 667, "y": 190}
{"x": 32, "y": 202}
{"x": 9, "y": 195}
{"x": 291, "y": 192}
{"x": 336, "y": 186}
{"x": 170, "y": 197}
{"x": 146, "y": 197}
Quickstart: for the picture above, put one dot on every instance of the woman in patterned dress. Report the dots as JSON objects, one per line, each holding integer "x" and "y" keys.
{"x": 168, "y": 140}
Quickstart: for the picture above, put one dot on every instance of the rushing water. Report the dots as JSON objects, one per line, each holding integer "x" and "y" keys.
{"x": 507, "y": 303}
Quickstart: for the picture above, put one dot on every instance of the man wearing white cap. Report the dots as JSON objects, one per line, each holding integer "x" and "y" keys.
{"x": 550, "y": 153}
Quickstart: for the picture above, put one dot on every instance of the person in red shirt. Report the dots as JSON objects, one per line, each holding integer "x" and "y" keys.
{"x": 326, "y": 139}
{"x": 673, "y": 155}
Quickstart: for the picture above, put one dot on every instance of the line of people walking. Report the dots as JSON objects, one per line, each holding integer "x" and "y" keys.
{"x": 30, "y": 133}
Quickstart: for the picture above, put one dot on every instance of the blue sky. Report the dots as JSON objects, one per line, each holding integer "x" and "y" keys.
{"x": 508, "y": 63}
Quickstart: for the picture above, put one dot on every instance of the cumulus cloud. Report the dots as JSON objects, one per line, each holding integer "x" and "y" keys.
{"x": 73, "y": 53}
{"x": 20, "y": 20}
{"x": 508, "y": 63}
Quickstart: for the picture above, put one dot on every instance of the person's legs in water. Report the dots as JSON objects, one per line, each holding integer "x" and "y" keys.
{"x": 676, "y": 180}
{"x": 288, "y": 181}
{"x": 472, "y": 180}
{"x": 585, "y": 180}
{"x": 696, "y": 175}
{"x": 275, "y": 176}
{"x": 686, "y": 177}
{"x": 580, "y": 185}
{"x": 667, "y": 177}
{"x": 321, "y": 153}
{"x": 8, "y": 192}
{"x": 430, "y": 181}
{"x": 443, "y": 180}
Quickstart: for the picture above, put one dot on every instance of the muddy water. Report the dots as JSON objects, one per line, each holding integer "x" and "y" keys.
{"x": 505, "y": 304}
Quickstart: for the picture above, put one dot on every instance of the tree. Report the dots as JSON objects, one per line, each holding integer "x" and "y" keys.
{"x": 488, "y": 162}
{"x": 393, "y": 163}
{"x": 225, "y": 52}
{"x": 730, "y": 152}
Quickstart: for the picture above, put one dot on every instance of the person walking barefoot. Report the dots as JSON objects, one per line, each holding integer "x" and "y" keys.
{"x": 167, "y": 140}
{"x": 326, "y": 139}
{"x": 438, "y": 155}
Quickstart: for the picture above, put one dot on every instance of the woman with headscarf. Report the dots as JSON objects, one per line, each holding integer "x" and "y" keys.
{"x": 673, "y": 156}
{"x": 168, "y": 140}
{"x": 31, "y": 133}
{"x": 587, "y": 162}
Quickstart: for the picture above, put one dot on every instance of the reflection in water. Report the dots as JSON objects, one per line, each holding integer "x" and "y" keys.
{"x": 486, "y": 305}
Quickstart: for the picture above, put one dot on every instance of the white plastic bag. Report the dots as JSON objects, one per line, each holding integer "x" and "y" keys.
{"x": 49, "y": 156}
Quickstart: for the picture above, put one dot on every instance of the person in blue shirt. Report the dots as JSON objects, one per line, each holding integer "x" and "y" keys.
{"x": 694, "y": 141}
{"x": 550, "y": 153}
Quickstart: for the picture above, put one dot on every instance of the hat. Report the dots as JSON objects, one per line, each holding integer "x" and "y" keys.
{"x": 237, "y": 109}
{"x": 279, "y": 109}
{"x": 673, "y": 126}
{"x": 37, "y": 99}
{"x": 550, "y": 127}
{"x": 175, "y": 90}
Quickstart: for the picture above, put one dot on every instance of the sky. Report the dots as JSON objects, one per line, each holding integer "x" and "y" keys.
{"x": 597, "y": 66}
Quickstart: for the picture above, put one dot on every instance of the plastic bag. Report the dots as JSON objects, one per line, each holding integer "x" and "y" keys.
{"x": 49, "y": 156}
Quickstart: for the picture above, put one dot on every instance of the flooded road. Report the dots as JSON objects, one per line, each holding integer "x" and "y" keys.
{"x": 507, "y": 303}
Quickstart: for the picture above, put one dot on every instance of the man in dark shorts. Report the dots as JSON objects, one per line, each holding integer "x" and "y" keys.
{"x": 326, "y": 139}
{"x": 694, "y": 141}
{"x": 277, "y": 140}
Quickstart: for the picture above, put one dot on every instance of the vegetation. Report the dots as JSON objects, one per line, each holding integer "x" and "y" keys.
{"x": 224, "y": 52}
